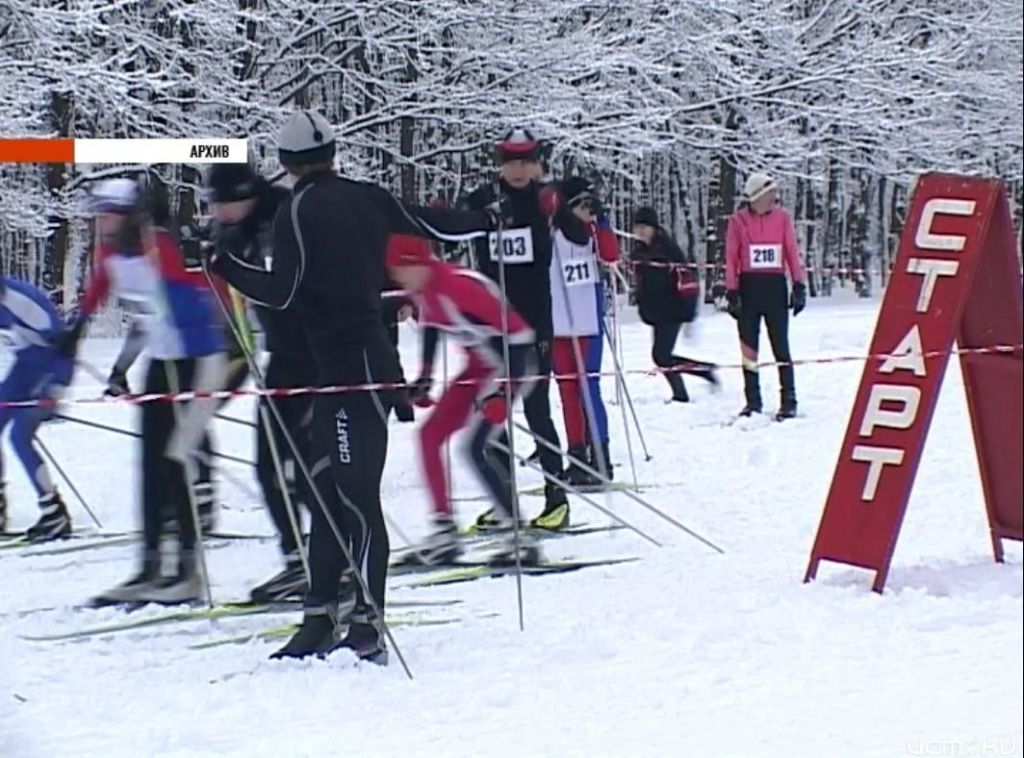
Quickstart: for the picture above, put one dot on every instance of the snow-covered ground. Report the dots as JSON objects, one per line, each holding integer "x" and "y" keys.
{"x": 683, "y": 652}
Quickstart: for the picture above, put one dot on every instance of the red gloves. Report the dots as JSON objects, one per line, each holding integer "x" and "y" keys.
{"x": 550, "y": 200}
{"x": 494, "y": 409}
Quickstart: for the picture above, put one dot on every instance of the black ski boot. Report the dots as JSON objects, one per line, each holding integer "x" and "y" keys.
{"x": 749, "y": 410}
{"x": 365, "y": 639}
{"x": 53, "y": 524}
{"x": 288, "y": 584}
{"x": 602, "y": 463}
{"x": 575, "y": 475}
{"x": 555, "y": 515}
{"x": 786, "y": 410}
{"x": 318, "y": 634}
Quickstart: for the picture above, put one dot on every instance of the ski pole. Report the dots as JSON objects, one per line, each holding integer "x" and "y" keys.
{"x": 631, "y": 495}
{"x": 577, "y": 492}
{"x": 66, "y": 478}
{"x": 499, "y": 234}
{"x": 233, "y": 420}
{"x": 136, "y": 435}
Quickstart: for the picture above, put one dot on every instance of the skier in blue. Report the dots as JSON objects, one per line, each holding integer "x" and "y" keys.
{"x": 40, "y": 372}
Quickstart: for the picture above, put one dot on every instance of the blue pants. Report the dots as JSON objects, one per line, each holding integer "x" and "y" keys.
{"x": 592, "y": 363}
{"x": 36, "y": 373}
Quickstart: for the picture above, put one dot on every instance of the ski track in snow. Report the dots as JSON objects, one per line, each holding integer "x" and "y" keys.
{"x": 684, "y": 652}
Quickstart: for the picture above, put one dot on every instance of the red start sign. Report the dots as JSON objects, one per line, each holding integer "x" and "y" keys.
{"x": 955, "y": 277}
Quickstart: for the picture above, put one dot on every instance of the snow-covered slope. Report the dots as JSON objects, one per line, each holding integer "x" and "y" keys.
{"x": 683, "y": 652}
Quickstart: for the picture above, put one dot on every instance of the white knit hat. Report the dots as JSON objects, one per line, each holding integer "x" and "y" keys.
{"x": 306, "y": 138}
{"x": 757, "y": 185}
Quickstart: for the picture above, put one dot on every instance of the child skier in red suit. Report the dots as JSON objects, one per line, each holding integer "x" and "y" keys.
{"x": 468, "y": 307}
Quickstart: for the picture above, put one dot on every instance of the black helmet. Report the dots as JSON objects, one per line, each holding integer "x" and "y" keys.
{"x": 231, "y": 182}
{"x": 647, "y": 216}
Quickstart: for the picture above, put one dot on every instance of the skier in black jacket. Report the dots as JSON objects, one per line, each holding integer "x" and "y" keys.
{"x": 526, "y": 238}
{"x": 328, "y": 268}
{"x": 666, "y": 295}
{"x": 243, "y": 198}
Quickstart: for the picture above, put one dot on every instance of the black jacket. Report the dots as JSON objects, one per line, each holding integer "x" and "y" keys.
{"x": 656, "y": 295}
{"x": 328, "y": 268}
{"x": 528, "y": 284}
{"x": 282, "y": 330}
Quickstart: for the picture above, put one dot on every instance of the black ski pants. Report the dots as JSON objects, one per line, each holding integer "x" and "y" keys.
{"x": 348, "y": 448}
{"x": 663, "y": 354}
{"x": 765, "y": 297}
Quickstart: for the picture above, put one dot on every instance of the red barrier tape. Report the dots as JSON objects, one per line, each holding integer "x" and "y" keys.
{"x": 1014, "y": 351}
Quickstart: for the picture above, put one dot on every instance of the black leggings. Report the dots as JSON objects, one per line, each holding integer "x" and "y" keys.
{"x": 349, "y": 446}
{"x": 765, "y": 296}
{"x": 537, "y": 406}
{"x": 665, "y": 336}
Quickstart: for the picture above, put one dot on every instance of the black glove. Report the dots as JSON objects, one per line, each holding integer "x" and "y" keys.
{"x": 229, "y": 239}
{"x": 798, "y": 298}
{"x": 191, "y": 241}
{"x": 501, "y": 213}
{"x": 419, "y": 391}
{"x": 732, "y": 298}
{"x": 67, "y": 341}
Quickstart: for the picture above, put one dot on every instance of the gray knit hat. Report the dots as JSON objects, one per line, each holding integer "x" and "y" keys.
{"x": 306, "y": 138}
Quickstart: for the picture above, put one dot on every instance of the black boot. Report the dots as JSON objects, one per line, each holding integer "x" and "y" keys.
{"x": 288, "y": 584}
{"x": 318, "y": 634}
{"x": 574, "y": 474}
{"x": 3, "y": 509}
{"x": 752, "y": 393}
{"x": 53, "y": 524}
{"x": 556, "y": 509}
{"x": 602, "y": 463}
{"x": 365, "y": 639}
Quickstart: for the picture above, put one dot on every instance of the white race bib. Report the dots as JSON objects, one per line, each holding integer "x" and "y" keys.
{"x": 765, "y": 256}
{"x": 577, "y": 273}
{"x": 516, "y": 243}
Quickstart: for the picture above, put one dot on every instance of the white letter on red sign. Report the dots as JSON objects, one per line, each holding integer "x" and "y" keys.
{"x": 876, "y": 458}
{"x": 932, "y": 269}
{"x": 952, "y": 243}
{"x": 875, "y": 415}
{"x": 908, "y": 355}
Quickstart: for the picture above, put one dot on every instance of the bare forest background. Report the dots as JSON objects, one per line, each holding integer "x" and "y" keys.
{"x": 670, "y": 103}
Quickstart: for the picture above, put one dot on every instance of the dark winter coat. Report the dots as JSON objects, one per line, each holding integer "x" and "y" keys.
{"x": 528, "y": 284}
{"x": 656, "y": 294}
{"x": 329, "y": 242}
{"x": 282, "y": 330}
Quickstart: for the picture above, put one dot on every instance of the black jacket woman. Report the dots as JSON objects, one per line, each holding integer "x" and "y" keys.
{"x": 667, "y": 296}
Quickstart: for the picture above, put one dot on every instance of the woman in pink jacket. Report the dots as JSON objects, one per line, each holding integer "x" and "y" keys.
{"x": 760, "y": 249}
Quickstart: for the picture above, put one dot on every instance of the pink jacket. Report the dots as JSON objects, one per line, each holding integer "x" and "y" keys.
{"x": 761, "y": 245}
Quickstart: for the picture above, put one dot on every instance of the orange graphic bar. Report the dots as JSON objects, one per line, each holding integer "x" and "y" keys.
{"x": 37, "y": 151}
